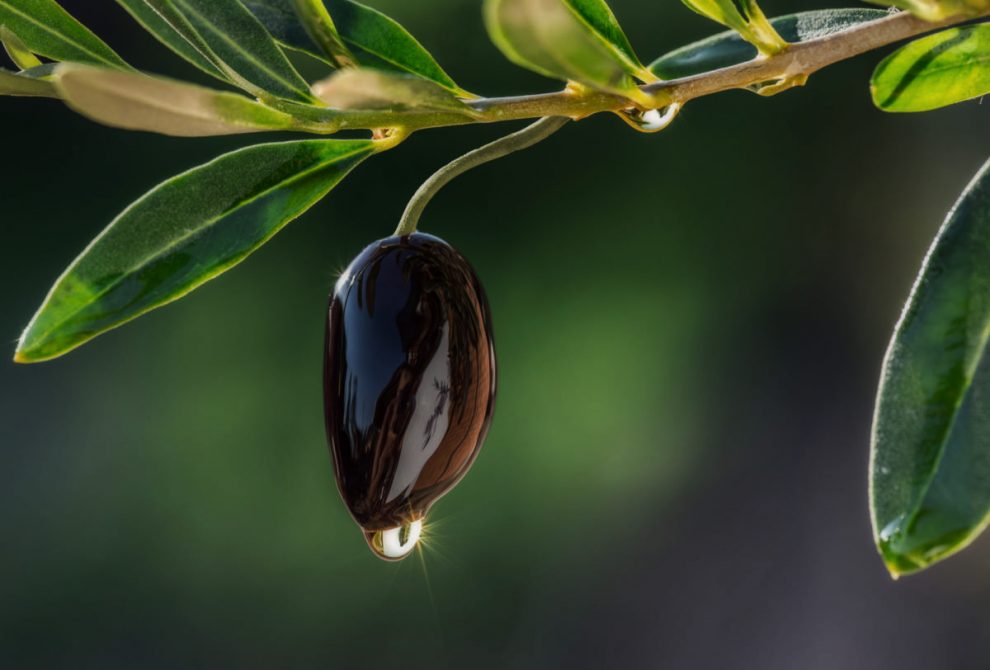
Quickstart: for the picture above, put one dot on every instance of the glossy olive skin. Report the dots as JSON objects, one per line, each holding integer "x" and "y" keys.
{"x": 409, "y": 377}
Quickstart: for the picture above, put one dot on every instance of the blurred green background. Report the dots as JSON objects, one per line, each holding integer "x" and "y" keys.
{"x": 690, "y": 327}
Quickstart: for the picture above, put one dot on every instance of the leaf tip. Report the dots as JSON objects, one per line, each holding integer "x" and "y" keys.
{"x": 34, "y": 349}
{"x": 24, "y": 356}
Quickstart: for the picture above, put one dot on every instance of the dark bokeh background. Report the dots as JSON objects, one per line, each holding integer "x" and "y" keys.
{"x": 690, "y": 328}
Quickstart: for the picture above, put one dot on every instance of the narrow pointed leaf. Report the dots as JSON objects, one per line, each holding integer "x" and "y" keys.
{"x": 375, "y": 39}
{"x": 141, "y": 102}
{"x": 182, "y": 233}
{"x": 361, "y": 88}
{"x": 17, "y": 50}
{"x": 935, "y": 71}
{"x": 48, "y": 30}
{"x": 155, "y": 24}
{"x": 930, "y": 464}
{"x": 743, "y": 16}
{"x": 598, "y": 17}
{"x": 379, "y": 41}
{"x": 729, "y": 48}
{"x": 550, "y": 37}
{"x": 320, "y": 28}
{"x": 232, "y": 39}
{"x": 21, "y": 84}
{"x": 280, "y": 19}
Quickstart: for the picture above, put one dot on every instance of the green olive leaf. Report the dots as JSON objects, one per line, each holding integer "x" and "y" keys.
{"x": 23, "y": 84}
{"x": 380, "y": 42}
{"x": 48, "y": 30}
{"x": 729, "y": 48}
{"x": 935, "y": 71}
{"x": 376, "y": 40}
{"x": 17, "y": 50}
{"x": 362, "y": 88}
{"x": 183, "y": 233}
{"x": 745, "y": 17}
{"x": 141, "y": 102}
{"x": 930, "y": 461}
{"x": 319, "y": 26}
{"x": 233, "y": 42}
{"x": 569, "y": 40}
{"x": 598, "y": 16}
{"x": 154, "y": 23}
{"x": 280, "y": 19}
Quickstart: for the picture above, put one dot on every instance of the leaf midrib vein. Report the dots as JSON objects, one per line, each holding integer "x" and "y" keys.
{"x": 244, "y": 53}
{"x": 950, "y": 425}
{"x": 62, "y": 36}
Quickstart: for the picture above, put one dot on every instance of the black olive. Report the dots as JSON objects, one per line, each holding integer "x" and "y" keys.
{"x": 409, "y": 383}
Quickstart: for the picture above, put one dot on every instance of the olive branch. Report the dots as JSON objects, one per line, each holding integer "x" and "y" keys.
{"x": 379, "y": 78}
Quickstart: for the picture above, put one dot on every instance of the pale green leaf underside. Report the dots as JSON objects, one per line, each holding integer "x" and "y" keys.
{"x": 930, "y": 463}
{"x": 140, "y": 102}
{"x": 48, "y": 30}
{"x": 935, "y": 71}
{"x": 17, "y": 50}
{"x": 364, "y": 88}
{"x": 548, "y": 37}
{"x": 181, "y": 234}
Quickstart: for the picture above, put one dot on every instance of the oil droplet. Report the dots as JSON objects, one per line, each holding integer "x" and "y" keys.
{"x": 650, "y": 120}
{"x": 394, "y": 544}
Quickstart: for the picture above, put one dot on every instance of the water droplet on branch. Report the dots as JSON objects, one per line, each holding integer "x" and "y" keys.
{"x": 650, "y": 120}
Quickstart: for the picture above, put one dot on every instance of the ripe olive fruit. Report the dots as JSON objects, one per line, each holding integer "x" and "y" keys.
{"x": 409, "y": 383}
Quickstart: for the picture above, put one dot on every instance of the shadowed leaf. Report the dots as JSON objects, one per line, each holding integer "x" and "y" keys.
{"x": 729, "y": 48}
{"x": 930, "y": 464}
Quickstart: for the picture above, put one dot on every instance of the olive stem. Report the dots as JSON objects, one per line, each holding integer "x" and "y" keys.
{"x": 527, "y": 137}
